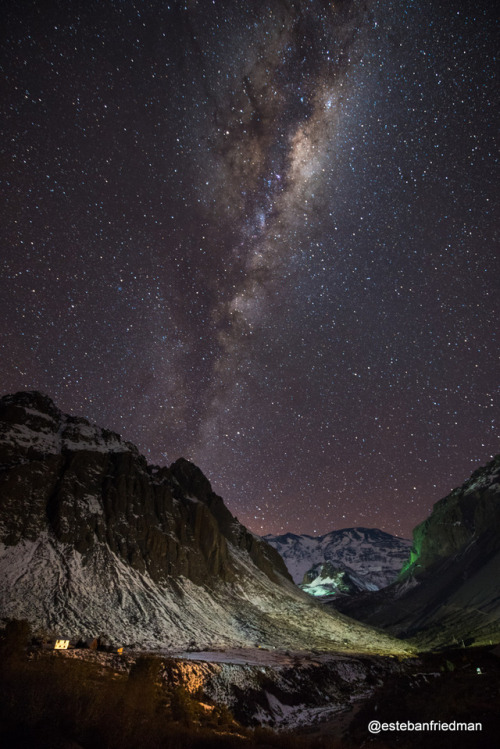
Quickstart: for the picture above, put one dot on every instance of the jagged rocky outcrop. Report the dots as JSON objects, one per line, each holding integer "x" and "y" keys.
{"x": 87, "y": 486}
{"x": 370, "y": 558}
{"x": 324, "y": 580}
{"x": 448, "y": 591}
{"x": 93, "y": 540}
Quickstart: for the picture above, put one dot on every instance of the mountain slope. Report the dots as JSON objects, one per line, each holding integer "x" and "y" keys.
{"x": 449, "y": 590}
{"x": 93, "y": 540}
{"x": 324, "y": 580}
{"x": 370, "y": 558}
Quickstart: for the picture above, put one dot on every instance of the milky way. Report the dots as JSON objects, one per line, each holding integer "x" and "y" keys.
{"x": 262, "y": 236}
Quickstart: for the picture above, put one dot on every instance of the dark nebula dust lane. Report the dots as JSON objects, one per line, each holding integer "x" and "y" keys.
{"x": 261, "y": 236}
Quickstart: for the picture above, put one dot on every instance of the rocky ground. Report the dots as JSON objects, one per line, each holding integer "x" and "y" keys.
{"x": 321, "y": 695}
{"x": 244, "y": 697}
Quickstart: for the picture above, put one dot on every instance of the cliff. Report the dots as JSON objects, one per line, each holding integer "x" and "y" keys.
{"x": 93, "y": 540}
{"x": 447, "y": 593}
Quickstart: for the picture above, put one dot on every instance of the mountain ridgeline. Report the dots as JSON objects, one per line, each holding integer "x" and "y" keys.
{"x": 344, "y": 561}
{"x": 87, "y": 486}
{"x": 93, "y": 540}
{"x": 448, "y": 591}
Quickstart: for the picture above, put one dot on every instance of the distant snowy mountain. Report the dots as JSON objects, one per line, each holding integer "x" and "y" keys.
{"x": 94, "y": 540}
{"x": 357, "y": 558}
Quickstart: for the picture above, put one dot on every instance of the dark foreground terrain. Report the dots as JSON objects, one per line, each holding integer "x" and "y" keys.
{"x": 446, "y": 687}
{"x": 51, "y": 701}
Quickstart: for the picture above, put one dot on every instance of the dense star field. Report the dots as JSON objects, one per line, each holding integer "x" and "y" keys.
{"x": 260, "y": 235}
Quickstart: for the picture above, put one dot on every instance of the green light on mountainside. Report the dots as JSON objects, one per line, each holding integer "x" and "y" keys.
{"x": 415, "y": 552}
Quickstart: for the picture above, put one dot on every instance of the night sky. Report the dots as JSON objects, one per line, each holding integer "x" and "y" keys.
{"x": 260, "y": 235}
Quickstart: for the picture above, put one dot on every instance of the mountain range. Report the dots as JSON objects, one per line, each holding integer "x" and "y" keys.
{"x": 342, "y": 561}
{"x": 94, "y": 540}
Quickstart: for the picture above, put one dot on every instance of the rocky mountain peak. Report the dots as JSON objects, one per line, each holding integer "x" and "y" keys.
{"x": 87, "y": 487}
{"x": 32, "y": 427}
{"x": 370, "y": 557}
{"x": 191, "y": 479}
{"x": 93, "y": 539}
{"x": 325, "y": 579}
{"x": 28, "y": 404}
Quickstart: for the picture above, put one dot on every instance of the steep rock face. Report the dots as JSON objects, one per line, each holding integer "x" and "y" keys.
{"x": 94, "y": 540}
{"x": 194, "y": 483}
{"x": 467, "y": 513}
{"x": 87, "y": 486}
{"x": 325, "y": 580}
{"x": 371, "y": 558}
{"x": 448, "y": 592}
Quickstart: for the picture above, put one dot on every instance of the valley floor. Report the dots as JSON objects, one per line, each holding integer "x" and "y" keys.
{"x": 83, "y": 699}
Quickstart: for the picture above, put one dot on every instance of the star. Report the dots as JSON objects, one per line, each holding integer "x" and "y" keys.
{"x": 262, "y": 237}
